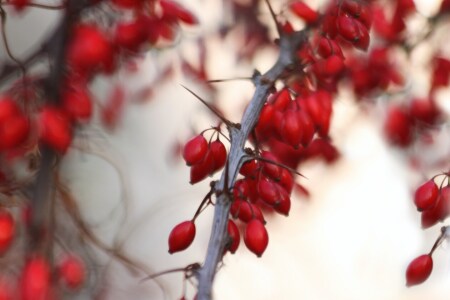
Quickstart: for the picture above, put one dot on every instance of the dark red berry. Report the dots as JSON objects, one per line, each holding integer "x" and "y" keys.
{"x": 195, "y": 150}
{"x": 304, "y": 11}
{"x": 419, "y": 270}
{"x": 7, "y": 229}
{"x": 55, "y": 129}
{"x": 426, "y": 195}
{"x": 201, "y": 170}
{"x": 255, "y": 237}
{"x": 35, "y": 279}
{"x": 181, "y": 236}
{"x": 235, "y": 237}
{"x": 219, "y": 154}
{"x": 72, "y": 272}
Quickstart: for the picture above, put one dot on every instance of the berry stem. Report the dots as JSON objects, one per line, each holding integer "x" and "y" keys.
{"x": 237, "y": 156}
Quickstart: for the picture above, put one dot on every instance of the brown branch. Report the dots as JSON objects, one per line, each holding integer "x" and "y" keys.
{"x": 237, "y": 156}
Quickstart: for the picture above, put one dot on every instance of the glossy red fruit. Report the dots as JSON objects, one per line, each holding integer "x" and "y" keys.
{"x": 7, "y": 230}
{"x": 419, "y": 270}
{"x": 283, "y": 205}
{"x": 286, "y": 180}
{"x": 35, "y": 279}
{"x": 280, "y": 100}
{"x": 89, "y": 50}
{"x": 233, "y": 233}
{"x": 304, "y": 11}
{"x": 130, "y": 35}
{"x": 77, "y": 103}
{"x": 398, "y": 127}
{"x": 291, "y": 128}
{"x": 8, "y": 108}
{"x": 348, "y": 28}
{"x": 249, "y": 168}
{"x": 127, "y": 3}
{"x": 181, "y": 236}
{"x": 201, "y": 170}
{"x": 174, "y": 10}
{"x": 246, "y": 211}
{"x": 269, "y": 168}
{"x": 268, "y": 191}
{"x": 331, "y": 66}
{"x": 327, "y": 47}
{"x": 72, "y": 272}
{"x": 308, "y": 127}
{"x": 255, "y": 237}
{"x": 426, "y": 195}
{"x": 13, "y": 131}
{"x": 219, "y": 154}
{"x": 438, "y": 212}
{"x": 55, "y": 129}
{"x": 195, "y": 150}
{"x": 363, "y": 40}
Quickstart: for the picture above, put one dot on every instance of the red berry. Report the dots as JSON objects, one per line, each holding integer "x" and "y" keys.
{"x": 72, "y": 272}
{"x": 291, "y": 128}
{"x": 77, "y": 103}
{"x": 174, "y": 10}
{"x": 181, "y": 236}
{"x": 235, "y": 237}
{"x": 255, "y": 237}
{"x": 426, "y": 195}
{"x": 130, "y": 35}
{"x": 268, "y": 191}
{"x": 195, "y": 150}
{"x": 89, "y": 50}
{"x": 398, "y": 127}
{"x": 202, "y": 169}
{"x": 245, "y": 211}
{"x": 127, "y": 3}
{"x": 269, "y": 168}
{"x": 13, "y": 131}
{"x": 348, "y": 28}
{"x": 363, "y": 40}
{"x": 55, "y": 129}
{"x": 283, "y": 205}
{"x": 8, "y": 108}
{"x": 419, "y": 270}
{"x": 304, "y": 11}
{"x": 328, "y": 47}
{"x": 438, "y": 212}
{"x": 286, "y": 180}
{"x": 308, "y": 127}
{"x": 249, "y": 168}
{"x": 35, "y": 280}
{"x": 219, "y": 154}
{"x": 7, "y": 230}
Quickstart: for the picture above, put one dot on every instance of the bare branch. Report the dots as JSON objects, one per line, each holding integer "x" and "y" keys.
{"x": 237, "y": 156}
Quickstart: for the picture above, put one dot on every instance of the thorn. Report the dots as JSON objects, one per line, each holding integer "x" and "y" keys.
{"x": 212, "y": 109}
{"x": 274, "y": 17}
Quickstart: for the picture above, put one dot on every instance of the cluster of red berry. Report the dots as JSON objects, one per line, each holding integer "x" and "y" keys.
{"x": 204, "y": 158}
{"x": 36, "y": 278}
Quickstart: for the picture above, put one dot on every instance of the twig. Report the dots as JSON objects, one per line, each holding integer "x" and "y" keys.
{"x": 237, "y": 156}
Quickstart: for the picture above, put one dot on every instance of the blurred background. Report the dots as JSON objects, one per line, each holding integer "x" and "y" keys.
{"x": 351, "y": 239}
